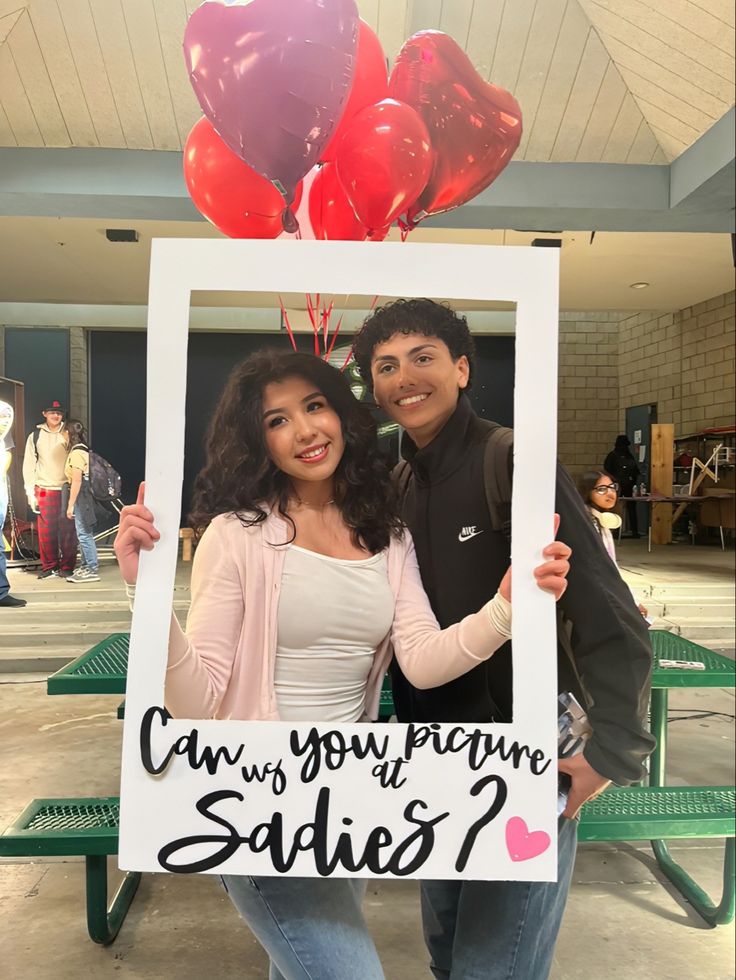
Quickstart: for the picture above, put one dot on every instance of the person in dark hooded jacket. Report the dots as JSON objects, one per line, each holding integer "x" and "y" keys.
{"x": 620, "y": 463}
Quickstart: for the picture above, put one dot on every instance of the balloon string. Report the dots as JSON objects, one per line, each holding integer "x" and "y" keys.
{"x": 326, "y": 316}
{"x": 347, "y": 359}
{"x": 289, "y": 331}
{"x": 313, "y": 318}
{"x": 334, "y": 337}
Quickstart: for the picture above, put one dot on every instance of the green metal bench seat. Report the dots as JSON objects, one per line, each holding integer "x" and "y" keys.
{"x": 659, "y": 813}
{"x": 101, "y": 670}
{"x": 646, "y": 812}
{"x": 85, "y": 827}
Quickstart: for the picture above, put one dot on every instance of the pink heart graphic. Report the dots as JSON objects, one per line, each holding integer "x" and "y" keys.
{"x": 523, "y": 844}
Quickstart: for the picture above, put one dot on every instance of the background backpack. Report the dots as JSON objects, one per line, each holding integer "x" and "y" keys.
{"x": 104, "y": 480}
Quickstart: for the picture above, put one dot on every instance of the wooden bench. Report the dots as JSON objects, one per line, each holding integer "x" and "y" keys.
{"x": 78, "y": 827}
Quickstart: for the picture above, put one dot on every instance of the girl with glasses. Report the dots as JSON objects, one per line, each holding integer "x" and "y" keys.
{"x": 599, "y": 490}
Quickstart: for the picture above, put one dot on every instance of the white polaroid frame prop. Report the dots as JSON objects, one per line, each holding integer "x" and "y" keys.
{"x": 439, "y": 801}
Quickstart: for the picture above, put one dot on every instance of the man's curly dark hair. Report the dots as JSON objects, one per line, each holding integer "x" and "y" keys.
{"x": 240, "y": 478}
{"x": 406, "y": 316}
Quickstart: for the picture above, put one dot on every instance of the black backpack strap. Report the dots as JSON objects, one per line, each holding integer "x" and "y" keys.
{"x": 36, "y": 437}
{"x": 498, "y": 477}
{"x": 401, "y": 477}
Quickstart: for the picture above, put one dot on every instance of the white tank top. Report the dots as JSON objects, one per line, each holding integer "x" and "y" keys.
{"x": 333, "y": 614}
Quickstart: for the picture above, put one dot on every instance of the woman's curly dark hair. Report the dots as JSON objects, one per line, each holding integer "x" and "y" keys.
{"x": 420, "y": 316}
{"x": 239, "y": 476}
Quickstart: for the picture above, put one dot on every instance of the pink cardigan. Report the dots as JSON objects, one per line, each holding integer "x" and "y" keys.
{"x": 223, "y": 666}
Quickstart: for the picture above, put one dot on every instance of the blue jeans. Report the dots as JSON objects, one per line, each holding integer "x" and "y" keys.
{"x": 86, "y": 541}
{"x": 497, "y": 930}
{"x": 311, "y": 928}
{"x": 4, "y": 584}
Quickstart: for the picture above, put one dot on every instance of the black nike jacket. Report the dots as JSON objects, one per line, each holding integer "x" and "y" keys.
{"x": 462, "y": 561}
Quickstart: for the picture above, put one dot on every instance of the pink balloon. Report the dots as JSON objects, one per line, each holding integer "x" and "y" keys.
{"x": 273, "y": 78}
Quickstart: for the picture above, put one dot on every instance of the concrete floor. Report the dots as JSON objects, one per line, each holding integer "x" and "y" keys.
{"x": 622, "y": 920}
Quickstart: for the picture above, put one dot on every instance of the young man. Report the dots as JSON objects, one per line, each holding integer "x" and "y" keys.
{"x": 418, "y": 358}
{"x": 43, "y": 476}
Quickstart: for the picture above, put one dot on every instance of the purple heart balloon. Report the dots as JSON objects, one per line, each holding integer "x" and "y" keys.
{"x": 273, "y": 78}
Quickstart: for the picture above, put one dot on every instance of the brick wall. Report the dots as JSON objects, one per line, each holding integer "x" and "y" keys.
{"x": 708, "y": 336}
{"x": 588, "y": 388}
{"x": 683, "y": 361}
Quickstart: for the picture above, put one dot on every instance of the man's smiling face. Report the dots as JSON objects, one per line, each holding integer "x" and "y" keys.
{"x": 417, "y": 382}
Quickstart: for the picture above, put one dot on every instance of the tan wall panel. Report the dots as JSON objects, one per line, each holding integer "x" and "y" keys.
{"x": 653, "y": 49}
{"x": 485, "y": 24}
{"x": 15, "y": 102}
{"x": 79, "y": 27}
{"x": 594, "y": 63}
{"x": 569, "y": 49}
{"x": 603, "y": 118}
{"x": 540, "y": 48}
{"x": 624, "y": 131}
{"x": 59, "y": 61}
{"x": 455, "y": 20}
{"x": 115, "y": 45}
{"x": 515, "y": 25}
{"x": 23, "y": 46}
{"x": 171, "y": 20}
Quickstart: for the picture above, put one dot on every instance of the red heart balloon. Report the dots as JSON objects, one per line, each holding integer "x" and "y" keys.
{"x": 370, "y": 84}
{"x": 384, "y": 162}
{"x": 228, "y": 192}
{"x": 331, "y": 214}
{"x": 475, "y": 127}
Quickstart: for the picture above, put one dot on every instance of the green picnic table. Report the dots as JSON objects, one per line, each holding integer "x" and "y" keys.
{"x": 655, "y": 812}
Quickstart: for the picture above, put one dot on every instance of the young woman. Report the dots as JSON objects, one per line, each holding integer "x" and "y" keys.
{"x": 303, "y": 584}
{"x": 80, "y": 506}
{"x": 599, "y": 490}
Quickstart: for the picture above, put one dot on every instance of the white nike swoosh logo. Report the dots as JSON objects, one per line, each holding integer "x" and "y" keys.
{"x": 467, "y": 535}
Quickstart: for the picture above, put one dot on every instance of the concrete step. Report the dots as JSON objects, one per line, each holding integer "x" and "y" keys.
{"x": 70, "y": 595}
{"x": 706, "y": 611}
{"x": 700, "y": 590}
{"x": 710, "y": 635}
{"x": 67, "y": 618}
{"x": 725, "y": 647}
{"x": 35, "y": 637}
{"x": 23, "y": 659}
{"x": 70, "y": 614}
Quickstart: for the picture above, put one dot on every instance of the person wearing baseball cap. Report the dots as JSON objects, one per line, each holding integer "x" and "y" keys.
{"x": 43, "y": 477}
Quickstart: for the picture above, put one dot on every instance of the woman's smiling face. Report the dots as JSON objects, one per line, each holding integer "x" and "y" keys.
{"x": 303, "y": 432}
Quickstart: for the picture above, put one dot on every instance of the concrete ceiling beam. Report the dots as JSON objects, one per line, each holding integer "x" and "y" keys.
{"x": 693, "y": 194}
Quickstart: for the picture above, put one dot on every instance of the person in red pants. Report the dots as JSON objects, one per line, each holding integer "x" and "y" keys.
{"x": 43, "y": 476}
